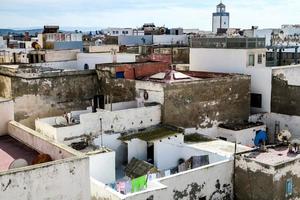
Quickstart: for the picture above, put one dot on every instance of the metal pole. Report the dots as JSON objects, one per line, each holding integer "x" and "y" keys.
{"x": 234, "y": 161}
{"x": 101, "y": 132}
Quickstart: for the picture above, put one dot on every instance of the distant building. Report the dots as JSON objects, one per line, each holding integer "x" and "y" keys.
{"x": 52, "y": 39}
{"x": 220, "y": 19}
{"x": 118, "y": 31}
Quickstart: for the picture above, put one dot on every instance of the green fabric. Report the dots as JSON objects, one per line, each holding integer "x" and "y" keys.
{"x": 139, "y": 184}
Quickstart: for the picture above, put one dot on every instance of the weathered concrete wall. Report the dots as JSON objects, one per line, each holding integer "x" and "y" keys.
{"x": 6, "y": 113}
{"x": 5, "y": 87}
{"x": 207, "y": 103}
{"x": 253, "y": 181}
{"x": 51, "y": 95}
{"x": 265, "y": 182}
{"x": 285, "y": 97}
{"x": 120, "y": 89}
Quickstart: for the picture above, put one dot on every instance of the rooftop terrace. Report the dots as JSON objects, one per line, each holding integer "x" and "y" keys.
{"x": 227, "y": 43}
{"x": 275, "y": 156}
{"x": 11, "y": 149}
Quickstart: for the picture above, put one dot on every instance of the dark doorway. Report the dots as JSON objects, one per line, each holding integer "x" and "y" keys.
{"x": 150, "y": 153}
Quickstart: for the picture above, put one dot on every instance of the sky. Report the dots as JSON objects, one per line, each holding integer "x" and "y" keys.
{"x": 134, "y": 13}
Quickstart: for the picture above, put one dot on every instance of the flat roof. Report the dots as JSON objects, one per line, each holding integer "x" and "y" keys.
{"x": 240, "y": 126}
{"x": 11, "y": 149}
{"x": 274, "y": 156}
{"x": 4, "y": 100}
{"x": 220, "y": 147}
{"x": 151, "y": 135}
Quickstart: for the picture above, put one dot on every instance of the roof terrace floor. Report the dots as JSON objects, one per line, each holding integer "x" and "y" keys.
{"x": 11, "y": 149}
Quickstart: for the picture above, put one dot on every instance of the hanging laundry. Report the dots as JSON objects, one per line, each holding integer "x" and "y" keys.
{"x": 151, "y": 177}
{"x": 121, "y": 187}
{"x": 128, "y": 187}
{"x": 139, "y": 184}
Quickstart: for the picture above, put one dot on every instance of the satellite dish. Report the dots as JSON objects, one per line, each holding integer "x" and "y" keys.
{"x": 284, "y": 135}
{"x": 36, "y": 45}
{"x": 18, "y": 163}
{"x": 260, "y": 138}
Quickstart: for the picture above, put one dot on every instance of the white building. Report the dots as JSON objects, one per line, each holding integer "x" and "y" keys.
{"x": 118, "y": 31}
{"x": 2, "y": 43}
{"x": 246, "y": 60}
{"x": 177, "y": 181}
{"x": 89, "y": 60}
{"x": 220, "y": 19}
{"x": 170, "y": 40}
{"x": 116, "y": 118}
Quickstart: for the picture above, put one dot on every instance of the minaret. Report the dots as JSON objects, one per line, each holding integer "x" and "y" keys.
{"x": 220, "y": 19}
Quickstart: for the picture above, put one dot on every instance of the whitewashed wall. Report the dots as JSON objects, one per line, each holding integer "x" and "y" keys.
{"x": 244, "y": 137}
{"x": 117, "y": 121}
{"x": 122, "y": 120}
{"x": 99, "y": 58}
{"x": 111, "y": 141}
{"x": 166, "y": 147}
{"x": 61, "y": 55}
{"x": 103, "y": 166}
{"x": 67, "y": 179}
{"x": 137, "y": 149}
{"x": 6, "y": 113}
{"x": 67, "y": 65}
{"x": 204, "y": 179}
{"x": 288, "y": 73}
{"x": 155, "y": 91}
{"x": 52, "y": 180}
{"x": 103, "y": 48}
{"x": 261, "y": 83}
{"x": 223, "y": 60}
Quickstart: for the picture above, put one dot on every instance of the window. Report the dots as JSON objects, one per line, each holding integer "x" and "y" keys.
{"x": 86, "y": 66}
{"x": 256, "y": 100}
{"x": 259, "y": 58}
{"x": 251, "y": 60}
{"x": 120, "y": 75}
{"x": 289, "y": 188}
{"x": 117, "y": 32}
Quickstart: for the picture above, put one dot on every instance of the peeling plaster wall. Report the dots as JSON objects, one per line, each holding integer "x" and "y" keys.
{"x": 245, "y": 137}
{"x": 286, "y": 91}
{"x": 253, "y": 181}
{"x": 51, "y": 95}
{"x": 206, "y": 103}
{"x": 265, "y": 182}
{"x": 117, "y": 121}
{"x": 212, "y": 181}
{"x": 67, "y": 180}
{"x": 7, "y": 114}
{"x": 5, "y": 87}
